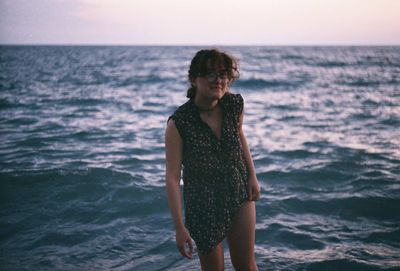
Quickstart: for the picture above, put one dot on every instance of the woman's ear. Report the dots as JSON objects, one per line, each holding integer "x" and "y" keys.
{"x": 193, "y": 81}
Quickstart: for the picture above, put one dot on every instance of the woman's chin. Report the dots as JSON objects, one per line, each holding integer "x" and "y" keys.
{"x": 218, "y": 93}
{"x": 217, "y": 96}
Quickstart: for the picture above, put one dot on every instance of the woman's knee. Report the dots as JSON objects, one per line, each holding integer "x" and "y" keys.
{"x": 241, "y": 239}
{"x": 213, "y": 260}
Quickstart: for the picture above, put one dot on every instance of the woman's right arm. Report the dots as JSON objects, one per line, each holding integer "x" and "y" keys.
{"x": 173, "y": 158}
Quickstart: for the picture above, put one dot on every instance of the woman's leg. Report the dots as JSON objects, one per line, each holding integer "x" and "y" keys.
{"x": 241, "y": 238}
{"x": 214, "y": 260}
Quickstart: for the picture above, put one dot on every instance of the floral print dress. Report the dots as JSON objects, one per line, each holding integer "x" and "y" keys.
{"x": 214, "y": 171}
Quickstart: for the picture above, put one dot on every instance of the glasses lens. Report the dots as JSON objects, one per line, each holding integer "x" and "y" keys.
{"x": 212, "y": 76}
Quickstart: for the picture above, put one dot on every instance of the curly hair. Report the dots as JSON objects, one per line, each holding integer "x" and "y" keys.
{"x": 204, "y": 59}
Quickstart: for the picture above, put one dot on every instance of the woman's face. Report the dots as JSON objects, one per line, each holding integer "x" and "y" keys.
{"x": 213, "y": 84}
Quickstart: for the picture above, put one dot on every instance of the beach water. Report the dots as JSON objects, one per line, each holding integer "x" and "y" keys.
{"x": 82, "y": 156}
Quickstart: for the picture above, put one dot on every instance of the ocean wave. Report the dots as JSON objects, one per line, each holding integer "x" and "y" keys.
{"x": 280, "y": 235}
{"x": 321, "y": 177}
{"x": 359, "y": 82}
{"x": 296, "y": 154}
{"x": 330, "y": 64}
{"x": 391, "y": 236}
{"x": 5, "y": 103}
{"x": 70, "y": 208}
{"x": 255, "y": 83}
{"x": 376, "y": 208}
{"x": 345, "y": 264}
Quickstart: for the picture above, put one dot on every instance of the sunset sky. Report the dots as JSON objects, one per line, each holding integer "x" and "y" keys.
{"x": 195, "y": 22}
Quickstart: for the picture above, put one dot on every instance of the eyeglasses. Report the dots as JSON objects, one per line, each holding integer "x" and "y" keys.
{"x": 212, "y": 76}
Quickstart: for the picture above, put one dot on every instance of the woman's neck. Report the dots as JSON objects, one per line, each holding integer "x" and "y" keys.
{"x": 205, "y": 104}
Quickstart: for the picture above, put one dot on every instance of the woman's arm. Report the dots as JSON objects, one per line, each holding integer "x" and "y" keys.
{"x": 254, "y": 187}
{"x": 173, "y": 158}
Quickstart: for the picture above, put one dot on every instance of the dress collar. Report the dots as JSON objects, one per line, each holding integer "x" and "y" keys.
{"x": 195, "y": 109}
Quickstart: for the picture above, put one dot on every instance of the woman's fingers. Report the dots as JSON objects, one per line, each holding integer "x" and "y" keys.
{"x": 186, "y": 249}
{"x": 190, "y": 245}
{"x": 250, "y": 192}
{"x": 182, "y": 250}
{"x": 257, "y": 192}
{"x": 254, "y": 192}
{"x": 184, "y": 243}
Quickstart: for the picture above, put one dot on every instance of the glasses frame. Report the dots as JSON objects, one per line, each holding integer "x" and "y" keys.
{"x": 213, "y": 76}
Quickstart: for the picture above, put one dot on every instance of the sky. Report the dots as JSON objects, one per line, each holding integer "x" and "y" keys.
{"x": 200, "y": 22}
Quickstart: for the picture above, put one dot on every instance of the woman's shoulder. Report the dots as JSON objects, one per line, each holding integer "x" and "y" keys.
{"x": 234, "y": 103}
{"x": 181, "y": 112}
{"x": 233, "y": 99}
{"x": 184, "y": 108}
{"x": 181, "y": 118}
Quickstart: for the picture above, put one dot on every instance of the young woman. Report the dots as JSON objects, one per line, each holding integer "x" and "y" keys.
{"x": 204, "y": 139}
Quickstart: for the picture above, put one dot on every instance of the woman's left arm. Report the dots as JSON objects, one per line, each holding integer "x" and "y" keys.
{"x": 254, "y": 187}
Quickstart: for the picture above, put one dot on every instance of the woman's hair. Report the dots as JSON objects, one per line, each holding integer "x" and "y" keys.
{"x": 204, "y": 59}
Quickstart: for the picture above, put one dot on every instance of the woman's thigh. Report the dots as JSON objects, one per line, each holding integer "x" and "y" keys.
{"x": 241, "y": 238}
{"x": 214, "y": 260}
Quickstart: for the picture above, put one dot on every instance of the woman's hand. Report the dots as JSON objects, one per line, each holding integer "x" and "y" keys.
{"x": 184, "y": 242}
{"x": 254, "y": 189}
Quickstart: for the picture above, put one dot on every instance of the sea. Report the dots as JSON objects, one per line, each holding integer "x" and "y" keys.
{"x": 82, "y": 161}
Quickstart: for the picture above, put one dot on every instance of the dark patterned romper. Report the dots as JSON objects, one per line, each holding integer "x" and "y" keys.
{"x": 214, "y": 171}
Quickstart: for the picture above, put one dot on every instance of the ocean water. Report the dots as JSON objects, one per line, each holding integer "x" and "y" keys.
{"x": 82, "y": 156}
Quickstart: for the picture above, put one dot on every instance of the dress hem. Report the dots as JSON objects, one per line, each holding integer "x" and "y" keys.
{"x": 234, "y": 214}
